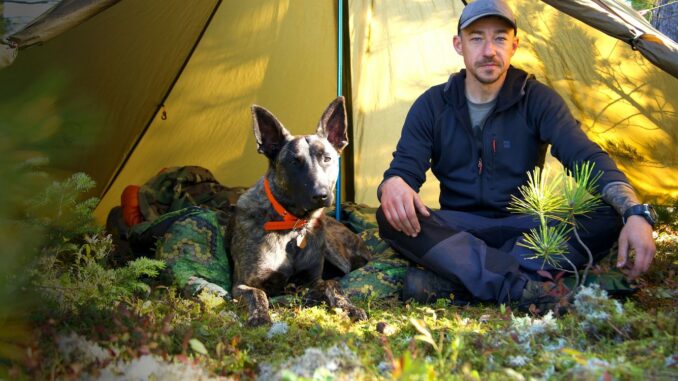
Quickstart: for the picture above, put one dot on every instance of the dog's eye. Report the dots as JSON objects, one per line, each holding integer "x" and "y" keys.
{"x": 296, "y": 160}
{"x": 327, "y": 159}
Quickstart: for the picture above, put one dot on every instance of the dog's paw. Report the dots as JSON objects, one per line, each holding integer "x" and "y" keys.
{"x": 258, "y": 319}
{"x": 356, "y": 313}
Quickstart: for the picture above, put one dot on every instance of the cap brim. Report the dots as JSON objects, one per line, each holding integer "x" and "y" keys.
{"x": 474, "y": 19}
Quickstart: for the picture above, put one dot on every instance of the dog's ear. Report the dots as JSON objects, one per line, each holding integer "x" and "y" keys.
{"x": 333, "y": 125}
{"x": 270, "y": 134}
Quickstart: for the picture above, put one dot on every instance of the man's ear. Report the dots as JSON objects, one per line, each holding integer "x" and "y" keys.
{"x": 270, "y": 134}
{"x": 456, "y": 41}
{"x": 516, "y": 43}
{"x": 333, "y": 124}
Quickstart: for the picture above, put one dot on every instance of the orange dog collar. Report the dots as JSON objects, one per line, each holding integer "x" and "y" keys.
{"x": 289, "y": 221}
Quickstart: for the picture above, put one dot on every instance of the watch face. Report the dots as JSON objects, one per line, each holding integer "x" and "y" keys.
{"x": 651, "y": 213}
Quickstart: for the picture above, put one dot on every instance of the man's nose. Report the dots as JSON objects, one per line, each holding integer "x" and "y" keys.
{"x": 489, "y": 49}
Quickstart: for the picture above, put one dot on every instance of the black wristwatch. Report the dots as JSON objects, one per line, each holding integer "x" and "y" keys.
{"x": 644, "y": 210}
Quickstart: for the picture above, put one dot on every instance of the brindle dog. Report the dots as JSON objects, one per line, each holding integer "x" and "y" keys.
{"x": 301, "y": 178}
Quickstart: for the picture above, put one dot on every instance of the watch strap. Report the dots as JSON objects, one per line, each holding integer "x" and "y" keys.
{"x": 643, "y": 210}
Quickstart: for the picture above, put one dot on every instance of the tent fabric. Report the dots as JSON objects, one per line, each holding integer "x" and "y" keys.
{"x": 398, "y": 49}
{"x": 625, "y": 104}
{"x": 278, "y": 54}
{"x": 621, "y": 21}
{"x": 8, "y": 54}
{"x": 90, "y": 92}
{"x": 64, "y": 16}
{"x": 161, "y": 83}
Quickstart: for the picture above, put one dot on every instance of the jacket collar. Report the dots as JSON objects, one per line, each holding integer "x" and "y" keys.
{"x": 510, "y": 93}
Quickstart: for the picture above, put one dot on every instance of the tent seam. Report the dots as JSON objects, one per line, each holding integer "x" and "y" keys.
{"x": 160, "y": 105}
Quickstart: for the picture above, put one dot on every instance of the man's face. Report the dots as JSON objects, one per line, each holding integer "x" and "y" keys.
{"x": 487, "y": 46}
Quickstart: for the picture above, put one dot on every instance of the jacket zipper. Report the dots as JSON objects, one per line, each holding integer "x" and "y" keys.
{"x": 494, "y": 150}
{"x": 480, "y": 156}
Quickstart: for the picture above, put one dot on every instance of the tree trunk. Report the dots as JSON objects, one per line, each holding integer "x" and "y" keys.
{"x": 665, "y": 18}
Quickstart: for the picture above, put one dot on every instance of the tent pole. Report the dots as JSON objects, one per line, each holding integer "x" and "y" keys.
{"x": 340, "y": 33}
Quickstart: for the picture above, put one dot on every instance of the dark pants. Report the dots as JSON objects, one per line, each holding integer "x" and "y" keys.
{"x": 481, "y": 254}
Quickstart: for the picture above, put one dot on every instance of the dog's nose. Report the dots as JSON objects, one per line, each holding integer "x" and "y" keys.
{"x": 322, "y": 196}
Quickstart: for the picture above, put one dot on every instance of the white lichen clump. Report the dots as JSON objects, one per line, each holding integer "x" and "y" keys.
{"x": 517, "y": 361}
{"x": 149, "y": 367}
{"x": 527, "y": 328}
{"x": 278, "y": 328}
{"x": 75, "y": 348}
{"x": 594, "y": 306}
{"x": 531, "y": 334}
{"x": 335, "y": 363}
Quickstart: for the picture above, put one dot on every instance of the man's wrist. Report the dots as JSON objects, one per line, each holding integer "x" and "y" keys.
{"x": 645, "y": 211}
{"x": 382, "y": 184}
{"x": 620, "y": 195}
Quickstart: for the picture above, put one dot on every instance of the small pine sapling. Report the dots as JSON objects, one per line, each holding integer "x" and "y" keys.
{"x": 556, "y": 201}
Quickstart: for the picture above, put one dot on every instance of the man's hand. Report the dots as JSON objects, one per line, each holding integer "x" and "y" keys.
{"x": 400, "y": 204}
{"x": 636, "y": 235}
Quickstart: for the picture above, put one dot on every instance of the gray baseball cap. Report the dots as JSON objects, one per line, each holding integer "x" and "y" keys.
{"x": 484, "y": 8}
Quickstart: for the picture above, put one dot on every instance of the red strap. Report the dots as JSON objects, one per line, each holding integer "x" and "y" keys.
{"x": 289, "y": 222}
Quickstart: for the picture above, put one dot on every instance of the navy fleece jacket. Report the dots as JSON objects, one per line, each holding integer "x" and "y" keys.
{"x": 528, "y": 116}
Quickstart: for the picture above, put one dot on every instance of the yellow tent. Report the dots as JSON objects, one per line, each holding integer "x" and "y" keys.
{"x": 156, "y": 83}
{"x": 399, "y": 48}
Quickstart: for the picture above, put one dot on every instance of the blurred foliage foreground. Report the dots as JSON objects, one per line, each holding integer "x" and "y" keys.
{"x": 67, "y": 313}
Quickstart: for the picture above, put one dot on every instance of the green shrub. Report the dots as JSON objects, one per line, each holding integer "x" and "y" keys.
{"x": 61, "y": 212}
{"x": 70, "y": 270}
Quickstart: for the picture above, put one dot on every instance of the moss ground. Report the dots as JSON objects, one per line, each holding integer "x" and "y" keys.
{"x": 399, "y": 340}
